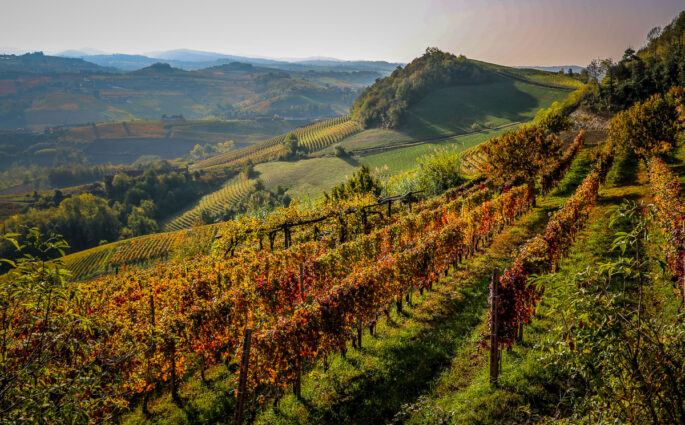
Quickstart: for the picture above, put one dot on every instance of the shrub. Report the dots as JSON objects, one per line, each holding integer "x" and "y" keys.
{"x": 340, "y": 151}
{"x": 439, "y": 171}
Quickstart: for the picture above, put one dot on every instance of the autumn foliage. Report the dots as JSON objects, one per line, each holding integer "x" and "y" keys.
{"x": 520, "y": 155}
{"x": 518, "y": 298}
{"x": 647, "y": 128}
{"x": 670, "y": 216}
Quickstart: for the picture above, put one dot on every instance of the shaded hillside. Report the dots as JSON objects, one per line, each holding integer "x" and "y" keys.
{"x": 387, "y": 102}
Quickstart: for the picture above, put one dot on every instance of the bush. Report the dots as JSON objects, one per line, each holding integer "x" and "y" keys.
{"x": 553, "y": 118}
{"x": 362, "y": 182}
{"x": 439, "y": 171}
{"x": 340, "y": 151}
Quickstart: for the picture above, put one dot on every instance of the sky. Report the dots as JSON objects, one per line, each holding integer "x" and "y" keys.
{"x": 507, "y": 32}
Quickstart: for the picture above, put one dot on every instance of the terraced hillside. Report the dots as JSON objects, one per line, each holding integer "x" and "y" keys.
{"x": 311, "y": 138}
{"x": 215, "y": 203}
{"x": 141, "y": 250}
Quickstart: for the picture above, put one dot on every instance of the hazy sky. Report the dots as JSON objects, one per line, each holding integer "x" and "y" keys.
{"x": 509, "y": 32}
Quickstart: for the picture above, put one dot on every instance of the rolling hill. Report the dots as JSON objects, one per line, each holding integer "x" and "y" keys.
{"x": 456, "y": 116}
{"x": 39, "y": 92}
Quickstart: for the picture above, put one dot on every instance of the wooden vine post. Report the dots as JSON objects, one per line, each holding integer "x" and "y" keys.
{"x": 151, "y": 352}
{"x": 343, "y": 230}
{"x": 301, "y": 280}
{"x": 365, "y": 223}
{"x": 494, "y": 325}
{"x": 242, "y": 379}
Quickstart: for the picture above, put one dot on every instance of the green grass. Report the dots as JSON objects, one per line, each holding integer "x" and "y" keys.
{"x": 401, "y": 160}
{"x": 448, "y": 111}
{"x": 456, "y": 109}
{"x": 306, "y": 177}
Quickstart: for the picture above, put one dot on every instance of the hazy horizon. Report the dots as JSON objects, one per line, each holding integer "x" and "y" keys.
{"x": 515, "y": 33}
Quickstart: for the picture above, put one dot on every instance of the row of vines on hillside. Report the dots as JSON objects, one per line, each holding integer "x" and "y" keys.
{"x": 300, "y": 304}
{"x": 550, "y": 176}
{"x": 670, "y": 216}
{"x": 517, "y": 297}
{"x": 152, "y": 325}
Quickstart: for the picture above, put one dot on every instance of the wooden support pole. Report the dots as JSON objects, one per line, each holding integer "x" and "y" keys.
{"x": 343, "y": 230}
{"x": 682, "y": 278}
{"x": 359, "y": 334}
{"x": 494, "y": 329}
{"x": 297, "y": 385}
{"x": 286, "y": 236}
{"x": 242, "y": 379}
{"x": 365, "y": 226}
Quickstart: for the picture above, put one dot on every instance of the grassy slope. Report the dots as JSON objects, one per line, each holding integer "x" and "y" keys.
{"x": 395, "y": 367}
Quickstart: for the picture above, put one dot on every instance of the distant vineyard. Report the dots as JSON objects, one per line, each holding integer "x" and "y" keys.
{"x": 110, "y": 257}
{"x": 214, "y": 203}
{"x": 311, "y": 138}
{"x": 117, "y": 130}
{"x": 318, "y": 136}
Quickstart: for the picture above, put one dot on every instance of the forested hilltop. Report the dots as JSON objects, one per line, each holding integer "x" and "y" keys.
{"x": 386, "y": 102}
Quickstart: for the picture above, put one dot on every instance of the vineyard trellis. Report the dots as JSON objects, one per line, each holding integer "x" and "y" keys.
{"x": 516, "y": 298}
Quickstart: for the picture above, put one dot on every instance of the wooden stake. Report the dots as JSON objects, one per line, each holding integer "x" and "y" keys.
{"x": 359, "y": 334}
{"x": 297, "y": 386}
{"x": 242, "y": 379}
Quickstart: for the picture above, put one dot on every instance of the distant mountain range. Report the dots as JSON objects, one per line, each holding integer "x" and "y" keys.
{"x": 191, "y": 60}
